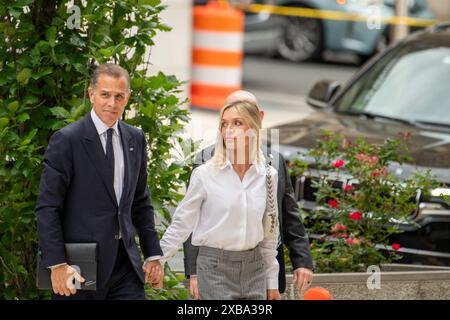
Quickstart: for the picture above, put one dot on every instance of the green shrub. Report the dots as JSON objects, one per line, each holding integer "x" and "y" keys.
{"x": 45, "y": 66}
{"x": 356, "y": 220}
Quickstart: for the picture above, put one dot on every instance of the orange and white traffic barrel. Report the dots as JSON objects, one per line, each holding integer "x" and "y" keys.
{"x": 217, "y": 54}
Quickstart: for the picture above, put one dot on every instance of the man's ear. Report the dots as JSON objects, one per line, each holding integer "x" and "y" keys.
{"x": 91, "y": 93}
{"x": 127, "y": 96}
{"x": 261, "y": 114}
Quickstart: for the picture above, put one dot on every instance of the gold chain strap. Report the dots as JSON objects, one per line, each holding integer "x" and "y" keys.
{"x": 271, "y": 204}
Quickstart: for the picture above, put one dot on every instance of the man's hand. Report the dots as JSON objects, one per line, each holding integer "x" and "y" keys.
{"x": 273, "y": 294}
{"x": 302, "y": 278}
{"x": 193, "y": 287}
{"x": 154, "y": 273}
{"x": 62, "y": 280}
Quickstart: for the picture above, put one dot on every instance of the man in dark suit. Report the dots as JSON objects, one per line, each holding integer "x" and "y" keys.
{"x": 292, "y": 231}
{"x": 94, "y": 189}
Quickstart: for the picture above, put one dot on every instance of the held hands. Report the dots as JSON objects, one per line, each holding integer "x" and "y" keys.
{"x": 302, "y": 279}
{"x": 62, "y": 280}
{"x": 154, "y": 273}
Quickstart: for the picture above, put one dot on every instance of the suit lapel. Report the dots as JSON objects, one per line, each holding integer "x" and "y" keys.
{"x": 129, "y": 151}
{"x": 94, "y": 149}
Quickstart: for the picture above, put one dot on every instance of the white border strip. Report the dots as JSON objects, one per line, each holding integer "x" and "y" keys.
{"x": 222, "y": 41}
{"x": 217, "y": 76}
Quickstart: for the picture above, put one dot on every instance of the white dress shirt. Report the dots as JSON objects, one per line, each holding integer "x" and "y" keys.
{"x": 119, "y": 165}
{"x": 223, "y": 212}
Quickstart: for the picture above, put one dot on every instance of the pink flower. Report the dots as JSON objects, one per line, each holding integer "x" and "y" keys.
{"x": 361, "y": 157}
{"x": 396, "y": 246}
{"x": 352, "y": 241}
{"x": 355, "y": 215}
{"x": 338, "y": 227}
{"x": 405, "y": 135}
{"x": 348, "y": 188}
{"x": 338, "y": 163}
{"x": 371, "y": 160}
{"x": 333, "y": 203}
{"x": 339, "y": 230}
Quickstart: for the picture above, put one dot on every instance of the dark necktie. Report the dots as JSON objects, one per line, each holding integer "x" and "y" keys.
{"x": 110, "y": 159}
{"x": 110, "y": 152}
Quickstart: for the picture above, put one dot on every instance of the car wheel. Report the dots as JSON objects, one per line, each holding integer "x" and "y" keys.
{"x": 301, "y": 39}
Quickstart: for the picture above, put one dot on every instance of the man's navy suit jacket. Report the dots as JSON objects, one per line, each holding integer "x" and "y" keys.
{"x": 77, "y": 202}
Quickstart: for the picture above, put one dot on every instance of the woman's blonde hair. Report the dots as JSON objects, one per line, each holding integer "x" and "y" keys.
{"x": 250, "y": 113}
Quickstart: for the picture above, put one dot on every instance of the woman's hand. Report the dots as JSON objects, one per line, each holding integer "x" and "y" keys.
{"x": 273, "y": 294}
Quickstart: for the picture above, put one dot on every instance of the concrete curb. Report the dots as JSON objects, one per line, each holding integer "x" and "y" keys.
{"x": 419, "y": 283}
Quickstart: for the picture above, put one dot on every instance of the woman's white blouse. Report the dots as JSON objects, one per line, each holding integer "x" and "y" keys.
{"x": 221, "y": 211}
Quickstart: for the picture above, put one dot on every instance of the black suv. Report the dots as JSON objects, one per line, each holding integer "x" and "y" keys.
{"x": 404, "y": 89}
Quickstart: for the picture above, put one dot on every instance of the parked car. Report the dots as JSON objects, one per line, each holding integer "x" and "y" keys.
{"x": 300, "y": 39}
{"x": 404, "y": 89}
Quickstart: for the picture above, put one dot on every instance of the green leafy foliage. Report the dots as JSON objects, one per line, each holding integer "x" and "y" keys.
{"x": 173, "y": 287}
{"x": 45, "y": 65}
{"x": 355, "y": 220}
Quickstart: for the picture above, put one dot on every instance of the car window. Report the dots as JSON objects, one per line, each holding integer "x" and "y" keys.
{"x": 409, "y": 83}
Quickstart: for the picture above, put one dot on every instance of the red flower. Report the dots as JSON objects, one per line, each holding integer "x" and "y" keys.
{"x": 338, "y": 163}
{"x": 396, "y": 246}
{"x": 377, "y": 172}
{"x": 333, "y": 203}
{"x": 355, "y": 215}
{"x": 348, "y": 188}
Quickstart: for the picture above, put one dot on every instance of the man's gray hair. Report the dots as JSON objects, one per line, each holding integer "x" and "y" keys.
{"x": 109, "y": 69}
{"x": 241, "y": 95}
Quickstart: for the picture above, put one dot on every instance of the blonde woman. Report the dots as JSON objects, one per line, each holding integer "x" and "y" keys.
{"x": 224, "y": 208}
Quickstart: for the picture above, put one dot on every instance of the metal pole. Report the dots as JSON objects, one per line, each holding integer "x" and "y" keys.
{"x": 400, "y": 31}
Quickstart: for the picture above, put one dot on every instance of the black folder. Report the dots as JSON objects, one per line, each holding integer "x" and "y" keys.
{"x": 82, "y": 257}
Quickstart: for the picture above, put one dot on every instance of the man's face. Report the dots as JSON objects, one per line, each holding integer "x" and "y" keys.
{"x": 109, "y": 98}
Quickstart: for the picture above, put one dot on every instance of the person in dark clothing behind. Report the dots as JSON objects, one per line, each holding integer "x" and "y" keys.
{"x": 292, "y": 232}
